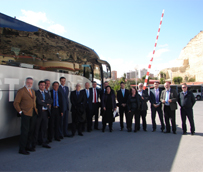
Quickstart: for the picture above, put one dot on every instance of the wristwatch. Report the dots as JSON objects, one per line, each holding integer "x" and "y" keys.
{"x": 20, "y": 112}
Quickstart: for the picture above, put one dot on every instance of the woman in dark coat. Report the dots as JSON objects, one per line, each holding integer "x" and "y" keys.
{"x": 109, "y": 106}
{"x": 133, "y": 106}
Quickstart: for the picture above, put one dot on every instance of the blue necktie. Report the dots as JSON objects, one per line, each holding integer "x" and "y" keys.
{"x": 123, "y": 93}
{"x": 78, "y": 94}
{"x": 87, "y": 92}
{"x": 64, "y": 89}
{"x": 167, "y": 97}
{"x": 43, "y": 95}
{"x": 157, "y": 96}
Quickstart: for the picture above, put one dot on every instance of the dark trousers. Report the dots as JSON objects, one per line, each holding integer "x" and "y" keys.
{"x": 41, "y": 127}
{"x": 122, "y": 110}
{"x": 189, "y": 113}
{"x": 63, "y": 127}
{"x": 28, "y": 124}
{"x": 76, "y": 126}
{"x": 95, "y": 108}
{"x": 160, "y": 113}
{"x": 130, "y": 118}
{"x": 54, "y": 121}
{"x": 142, "y": 114}
{"x": 104, "y": 125}
{"x": 170, "y": 114}
{"x": 89, "y": 118}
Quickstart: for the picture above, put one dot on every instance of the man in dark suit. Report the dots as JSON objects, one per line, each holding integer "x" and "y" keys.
{"x": 156, "y": 106}
{"x": 43, "y": 101}
{"x": 88, "y": 108}
{"x": 122, "y": 97}
{"x": 78, "y": 101}
{"x": 186, "y": 100}
{"x": 169, "y": 98}
{"x": 65, "y": 100}
{"x": 56, "y": 113}
{"x": 95, "y": 104}
{"x": 143, "y": 110}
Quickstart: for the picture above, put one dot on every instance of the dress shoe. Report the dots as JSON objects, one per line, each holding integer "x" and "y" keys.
{"x": 110, "y": 130}
{"x": 80, "y": 134}
{"x": 162, "y": 130}
{"x": 184, "y": 133}
{"x": 46, "y": 146}
{"x": 30, "y": 149}
{"x": 58, "y": 140}
{"x": 192, "y": 133}
{"x": 153, "y": 130}
{"x": 121, "y": 129}
{"x": 167, "y": 132}
{"x": 144, "y": 129}
{"x": 24, "y": 152}
{"x": 135, "y": 131}
{"x": 61, "y": 137}
{"x": 129, "y": 130}
{"x": 69, "y": 135}
{"x": 49, "y": 140}
{"x": 174, "y": 132}
{"x": 96, "y": 128}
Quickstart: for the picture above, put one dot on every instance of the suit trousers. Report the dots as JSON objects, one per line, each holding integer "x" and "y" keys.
{"x": 160, "y": 113}
{"x": 122, "y": 110}
{"x": 170, "y": 114}
{"x": 143, "y": 114}
{"x": 28, "y": 124}
{"x": 54, "y": 121}
{"x": 89, "y": 118}
{"x": 95, "y": 109}
{"x": 187, "y": 112}
{"x": 41, "y": 127}
{"x": 130, "y": 118}
{"x": 76, "y": 126}
{"x": 63, "y": 127}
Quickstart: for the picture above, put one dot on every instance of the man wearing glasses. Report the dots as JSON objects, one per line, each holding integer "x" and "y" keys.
{"x": 186, "y": 100}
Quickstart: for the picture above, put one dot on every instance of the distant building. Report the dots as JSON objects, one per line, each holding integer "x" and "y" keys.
{"x": 114, "y": 75}
{"x": 142, "y": 72}
{"x": 137, "y": 73}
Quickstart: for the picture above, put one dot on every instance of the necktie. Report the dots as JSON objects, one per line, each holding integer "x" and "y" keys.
{"x": 157, "y": 96}
{"x": 55, "y": 98}
{"x": 30, "y": 92}
{"x": 78, "y": 94}
{"x": 167, "y": 97}
{"x": 123, "y": 93}
{"x": 43, "y": 95}
{"x": 95, "y": 95}
{"x": 87, "y": 92}
{"x": 64, "y": 89}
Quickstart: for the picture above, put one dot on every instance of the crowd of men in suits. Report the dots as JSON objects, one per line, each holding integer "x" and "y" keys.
{"x": 45, "y": 112}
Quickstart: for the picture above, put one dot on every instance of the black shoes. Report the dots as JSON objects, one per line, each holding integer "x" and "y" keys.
{"x": 121, "y": 129}
{"x": 61, "y": 137}
{"x": 129, "y": 130}
{"x": 69, "y": 135}
{"x": 24, "y": 152}
{"x": 96, "y": 128}
{"x": 167, "y": 132}
{"x": 153, "y": 130}
{"x": 30, "y": 149}
{"x": 184, "y": 133}
{"x": 145, "y": 129}
{"x": 46, "y": 146}
{"x": 174, "y": 132}
{"x": 58, "y": 140}
{"x": 80, "y": 134}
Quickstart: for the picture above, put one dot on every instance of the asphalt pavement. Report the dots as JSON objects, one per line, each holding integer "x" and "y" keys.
{"x": 116, "y": 151}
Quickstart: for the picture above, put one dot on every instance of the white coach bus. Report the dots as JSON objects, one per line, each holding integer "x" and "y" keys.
{"x": 28, "y": 51}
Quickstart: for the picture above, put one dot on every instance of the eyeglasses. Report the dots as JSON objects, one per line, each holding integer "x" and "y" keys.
{"x": 183, "y": 87}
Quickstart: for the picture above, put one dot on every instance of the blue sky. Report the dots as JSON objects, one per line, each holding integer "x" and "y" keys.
{"x": 122, "y": 32}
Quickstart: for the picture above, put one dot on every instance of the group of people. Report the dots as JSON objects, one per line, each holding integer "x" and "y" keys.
{"x": 45, "y": 112}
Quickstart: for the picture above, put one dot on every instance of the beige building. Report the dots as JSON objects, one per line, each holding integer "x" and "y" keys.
{"x": 190, "y": 61}
{"x": 114, "y": 75}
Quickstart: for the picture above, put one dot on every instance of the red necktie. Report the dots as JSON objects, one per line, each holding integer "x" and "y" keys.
{"x": 95, "y": 95}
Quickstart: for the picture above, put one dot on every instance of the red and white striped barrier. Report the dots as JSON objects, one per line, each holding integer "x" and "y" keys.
{"x": 150, "y": 63}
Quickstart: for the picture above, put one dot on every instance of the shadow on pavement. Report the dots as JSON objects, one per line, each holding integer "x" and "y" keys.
{"x": 97, "y": 151}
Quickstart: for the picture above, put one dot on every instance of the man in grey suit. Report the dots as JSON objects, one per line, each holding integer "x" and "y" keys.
{"x": 156, "y": 106}
{"x": 169, "y": 98}
{"x": 65, "y": 100}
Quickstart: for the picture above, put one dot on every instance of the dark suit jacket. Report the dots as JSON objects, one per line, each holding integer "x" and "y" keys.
{"x": 153, "y": 97}
{"x": 104, "y": 100}
{"x": 40, "y": 102}
{"x": 98, "y": 93}
{"x": 186, "y": 101}
{"x": 173, "y": 96}
{"x": 102, "y": 92}
{"x": 144, "y": 102}
{"x": 65, "y": 98}
{"x": 129, "y": 104}
{"x": 120, "y": 97}
{"x": 78, "y": 106}
{"x": 59, "y": 99}
{"x": 89, "y": 100}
